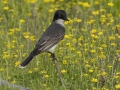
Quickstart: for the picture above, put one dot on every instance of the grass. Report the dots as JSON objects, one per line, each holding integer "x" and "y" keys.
{"x": 88, "y": 56}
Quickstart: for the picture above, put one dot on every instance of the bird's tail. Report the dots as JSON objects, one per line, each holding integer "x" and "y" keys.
{"x": 30, "y": 57}
{"x": 23, "y": 64}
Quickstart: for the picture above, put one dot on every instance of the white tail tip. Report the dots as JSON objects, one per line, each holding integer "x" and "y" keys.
{"x": 21, "y": 66}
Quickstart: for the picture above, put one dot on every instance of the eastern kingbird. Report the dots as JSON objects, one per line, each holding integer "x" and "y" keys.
{"x": 48, "y": 41}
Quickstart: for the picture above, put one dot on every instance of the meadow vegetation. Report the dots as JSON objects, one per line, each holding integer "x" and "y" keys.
{"x": 88, "y": 56}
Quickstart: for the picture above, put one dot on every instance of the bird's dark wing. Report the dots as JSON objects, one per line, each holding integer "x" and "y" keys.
{"x": 51, "y": 37}
{"x": 48, "y": 42}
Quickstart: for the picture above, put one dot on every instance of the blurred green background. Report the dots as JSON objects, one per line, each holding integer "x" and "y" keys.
{"x": 88, "y": 56}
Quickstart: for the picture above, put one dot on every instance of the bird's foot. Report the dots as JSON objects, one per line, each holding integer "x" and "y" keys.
{"x": 53, "y": 56}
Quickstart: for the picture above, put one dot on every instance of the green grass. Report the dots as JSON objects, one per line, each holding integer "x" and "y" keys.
{"x": 90, "y": 48}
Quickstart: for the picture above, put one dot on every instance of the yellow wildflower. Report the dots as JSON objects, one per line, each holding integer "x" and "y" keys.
{"x": 63, "y": 71}
{"x": 66, "y": 23}
{"x": 80, "y": 38}
{"x": 8, "y": 77}
{"x": 24, "y": 54}
{"x": 61, "y": 0}
{"x": 1, "y": 18}
{"x": 92, "y": 51}
{"x": 26, "y": 36}
{"x": 67, "y": 44}
{"x": 102, "y": 56}
{"x": 119, "y": 59}
{"x": 86, "y": 4}
{"x": 17, "y": 29}
{"x": 119, "y": 15}
{"x": 113, "y": 44}
{"x": 35, "y": 69}
{"x": 64, "y": 61}
{"x": 13, "y": 41}
{"x": 13, "y": 82}
{"x": 87, "y": 65}
{"x": 5, "y": 55}
{"x": 91, "y": 21}
{"x": 15, "y": 55}
{"x": 77, "y": 20}
{"x": 75, "y": 62}
{"x": 92, "y": 60}
{"x": 80, "y": 3}
{"x": 66, "y": 36}
{"x": 100, "y": 48}
{"x": 1, "y": 69}
{"x": 96, "y": 2}
{"x": 79, "y": 53}
{"x": 5, "y": 1}
{"x": 85, "y": 75}
{"x": 104, "y": 73}
{"x": 31, "y": 1}
{"x": 46, "y": 76}
{"x": 11, "y": 31}
{"x": 43, "y": 71}
{"x": 29, "y": 14}
{"x": 102, "y": 10}
{"x": 100, "y": 33}
{"x": 103, "y": 19}
{"x": 46, "y": 1}
{"x": 93, "y": 31}
{"x": 95, "y": 12}
{"x": 110, "y": 66}
{"x": 51, "y": 10}
{"x": 32, "y": 38}
{"x": 90, "y": 70}
{"x": 104, "y": 45}
{"x": 30, "y": 71}
{"x": 111, "y": 20}
{"x": 17, "y": 63}
{"x": 6, "y": 8}
{"x": 116, "y": 77}
{"x": 117, "y": 86}
{"x": 110, "y": 4}
{"x": 94, "y": 88}
{"x": 44, "y": 85}
{"x": 111, "y": 38}
{"x": 22, "y": 21}
{"x": 94, "y": 80}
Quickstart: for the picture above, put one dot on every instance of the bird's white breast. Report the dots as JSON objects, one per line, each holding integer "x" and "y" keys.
{"x": 61, "y": 22}
{"x": 52, "y": 49}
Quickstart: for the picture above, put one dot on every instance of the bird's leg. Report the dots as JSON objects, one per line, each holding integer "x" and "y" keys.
{"x": 53, "y": 56}
{"x": 57, "y": 69}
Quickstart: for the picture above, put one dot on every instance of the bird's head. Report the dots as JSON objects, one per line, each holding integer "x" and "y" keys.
{"x": 60, "y": 14}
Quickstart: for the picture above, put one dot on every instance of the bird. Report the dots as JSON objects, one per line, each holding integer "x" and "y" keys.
{"x": 50, "y": 38}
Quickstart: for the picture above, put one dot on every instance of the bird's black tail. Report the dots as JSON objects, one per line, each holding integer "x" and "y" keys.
{"x": 23, "y": 64}
{"x": 30, "y": 57}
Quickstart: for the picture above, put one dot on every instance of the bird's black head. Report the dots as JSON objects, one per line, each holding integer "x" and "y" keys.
{"x": 60, "y": 14}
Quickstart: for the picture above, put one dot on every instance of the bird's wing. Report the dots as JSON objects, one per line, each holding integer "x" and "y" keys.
{"x": 50, "y": 38}
{"x": 48, "y": 42}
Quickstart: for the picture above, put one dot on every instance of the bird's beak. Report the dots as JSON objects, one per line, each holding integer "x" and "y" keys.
{"x": 66, "y": 19}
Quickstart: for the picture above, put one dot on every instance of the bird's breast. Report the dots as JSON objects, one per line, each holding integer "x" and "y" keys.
{"x": 52, "y": 49}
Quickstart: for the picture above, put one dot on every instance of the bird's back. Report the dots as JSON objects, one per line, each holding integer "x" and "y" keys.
{"x": 53, "y": 30}
{"x": 53, "y": 34}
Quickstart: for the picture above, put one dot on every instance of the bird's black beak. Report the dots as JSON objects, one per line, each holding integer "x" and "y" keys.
{"x": 66, "y": 19}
